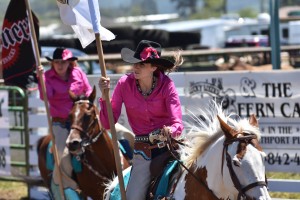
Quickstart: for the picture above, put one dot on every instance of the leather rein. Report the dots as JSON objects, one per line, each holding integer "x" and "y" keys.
{"x": 242, "y": 190}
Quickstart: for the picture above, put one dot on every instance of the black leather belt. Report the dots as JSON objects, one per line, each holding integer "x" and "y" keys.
{"x": 141, "y": 138}
{"x": 148, "y": 137}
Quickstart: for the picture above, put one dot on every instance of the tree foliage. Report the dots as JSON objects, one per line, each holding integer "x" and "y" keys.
{"x": 248, "y": 12}
{"x": 185, "y": 6}
{"x": 289, "y": 3}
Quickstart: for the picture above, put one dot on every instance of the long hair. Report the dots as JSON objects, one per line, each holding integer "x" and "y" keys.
{"x": 178, "y": 61}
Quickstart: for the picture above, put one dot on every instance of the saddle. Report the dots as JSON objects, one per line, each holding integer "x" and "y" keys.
{"x": 161, "y": 187}
{"x": 164, "y": 171}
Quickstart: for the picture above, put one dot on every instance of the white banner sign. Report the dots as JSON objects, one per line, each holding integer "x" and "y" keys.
{"x": 4, "y": 134}
{"x": 273, "y": 96}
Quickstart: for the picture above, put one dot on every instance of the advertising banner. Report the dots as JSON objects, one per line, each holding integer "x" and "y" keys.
{"x": 272, "y": 96}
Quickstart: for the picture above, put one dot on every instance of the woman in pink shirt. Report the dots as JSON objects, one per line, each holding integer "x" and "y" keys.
{"x": 152, "y": 106}
{"x": 63, "y": 76}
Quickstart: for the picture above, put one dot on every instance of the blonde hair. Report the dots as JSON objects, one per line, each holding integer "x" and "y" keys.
{"x": 178, "y": 61}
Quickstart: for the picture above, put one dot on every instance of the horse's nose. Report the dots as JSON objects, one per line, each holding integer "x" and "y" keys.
{"x": 74, "y": 145}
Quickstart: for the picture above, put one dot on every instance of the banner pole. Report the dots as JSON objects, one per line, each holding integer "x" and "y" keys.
{"x": 42, "y": 82}
{"x": 1, "y": 68}
{"x": 110, "y": 118}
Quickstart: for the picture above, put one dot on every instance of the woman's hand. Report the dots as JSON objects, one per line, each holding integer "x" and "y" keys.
{"x": 165, "y": 133}
{"x": 40, "y": 70}
{"x": 104, "y": 83}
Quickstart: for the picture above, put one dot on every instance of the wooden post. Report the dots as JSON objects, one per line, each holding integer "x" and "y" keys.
{"x": 274, "y": 35}
{"x": 111, "y": 118}
{"x": 42, "y": 82}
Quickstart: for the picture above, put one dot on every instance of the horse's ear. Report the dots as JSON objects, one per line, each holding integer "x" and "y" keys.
{"x": 93, "y": 95}
{"x": 73, "y": 96}
{"x": 253, "y": 121}
{"x": 228, "y": 131}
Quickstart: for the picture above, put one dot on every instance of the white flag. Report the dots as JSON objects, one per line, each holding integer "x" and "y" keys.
{"x": 77, "y": 14}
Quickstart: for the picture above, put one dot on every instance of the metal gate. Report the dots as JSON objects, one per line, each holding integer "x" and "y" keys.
{"x": 18, "y": 134}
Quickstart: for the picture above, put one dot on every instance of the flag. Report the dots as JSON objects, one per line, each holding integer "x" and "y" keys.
{"x": 77, "y": 14}
{"x": 18, "y": 57}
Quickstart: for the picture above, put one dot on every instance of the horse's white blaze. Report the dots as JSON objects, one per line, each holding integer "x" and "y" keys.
{"x": 76, "y": 113}
{"x": 251, "y": 170}
{"x": 78, "y": 139}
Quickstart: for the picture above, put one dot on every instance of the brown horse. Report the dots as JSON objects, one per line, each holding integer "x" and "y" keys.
{"x": 92, "y": 146}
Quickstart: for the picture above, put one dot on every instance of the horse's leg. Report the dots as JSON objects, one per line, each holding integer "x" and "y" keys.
{"x": 42, "y": 147}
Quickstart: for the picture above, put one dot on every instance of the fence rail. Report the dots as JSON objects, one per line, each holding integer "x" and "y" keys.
{"x": 201, "y": 59}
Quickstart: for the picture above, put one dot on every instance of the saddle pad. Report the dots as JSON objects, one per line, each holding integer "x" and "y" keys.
{"x": 116, "y": 193}
{"x": 77, "y": 167}
{"x": 124, "y": 147}
{"x": 69, "y": 193}
{"x": 162, "y": 189}
{"x": 49, "y": 158}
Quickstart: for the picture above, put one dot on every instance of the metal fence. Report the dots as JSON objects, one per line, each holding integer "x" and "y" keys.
{"x": 18, "y": 133}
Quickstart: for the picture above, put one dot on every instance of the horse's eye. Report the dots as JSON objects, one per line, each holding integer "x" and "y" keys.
{"x": 236, "y": 163}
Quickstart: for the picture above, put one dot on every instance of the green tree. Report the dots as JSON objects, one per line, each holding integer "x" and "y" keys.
{"x": 211, "y": 8}
{"x": 248, "y": 12}
{"x": 289, "y": 3}
{"x": 143, "y": 7}
{"x": 186, "y": 5}
{"x": 215, "y": 5}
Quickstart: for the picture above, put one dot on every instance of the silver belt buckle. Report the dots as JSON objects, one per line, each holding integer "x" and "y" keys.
{"x": 154, "y": 135}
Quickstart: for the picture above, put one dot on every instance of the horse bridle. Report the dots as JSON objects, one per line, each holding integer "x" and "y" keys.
{"x": 89, "y": 140}
{"x": 247, "y": 137}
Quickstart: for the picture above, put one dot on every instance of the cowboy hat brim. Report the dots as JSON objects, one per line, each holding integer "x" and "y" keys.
{"x": 128, "y": 56}
{"x": 69, "y": 59}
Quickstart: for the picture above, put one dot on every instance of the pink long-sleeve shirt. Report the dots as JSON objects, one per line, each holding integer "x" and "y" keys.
{"x": 144, "y": 115}
{"x": 57, "y": 90}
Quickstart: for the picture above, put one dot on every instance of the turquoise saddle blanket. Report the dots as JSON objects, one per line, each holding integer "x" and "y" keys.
{"x": 77, "y": 167}
{"x": 162, "y": 189}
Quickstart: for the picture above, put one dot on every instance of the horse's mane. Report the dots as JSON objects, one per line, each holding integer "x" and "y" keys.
{"x": 206, "y": 130}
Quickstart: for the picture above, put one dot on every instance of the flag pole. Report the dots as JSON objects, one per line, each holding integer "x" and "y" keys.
{"x": 110, "y": 118}
{"x": 1, "y": 68}
{"x": 42, "y": 82}
{"x": 95, "y": 19}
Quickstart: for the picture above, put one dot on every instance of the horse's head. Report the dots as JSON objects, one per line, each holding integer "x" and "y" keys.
{"x": 85, "y": 128}
{"x": 244, "y": 158}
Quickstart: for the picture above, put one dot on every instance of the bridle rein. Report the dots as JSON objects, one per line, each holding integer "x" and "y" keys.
{"x": 247, "y": 138}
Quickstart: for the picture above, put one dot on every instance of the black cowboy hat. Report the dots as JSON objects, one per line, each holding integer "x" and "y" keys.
{"x": 146, "y": 52}
{"x": 61, "y": 53}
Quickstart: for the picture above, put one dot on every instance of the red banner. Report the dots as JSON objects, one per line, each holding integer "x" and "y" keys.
{"x": 18, "y": 58}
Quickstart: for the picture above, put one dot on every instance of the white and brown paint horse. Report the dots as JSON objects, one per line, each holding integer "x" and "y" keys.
{"x": 224, "y": 160}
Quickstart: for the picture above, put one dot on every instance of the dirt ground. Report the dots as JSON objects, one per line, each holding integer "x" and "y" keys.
{"x": 12, "y": 191}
